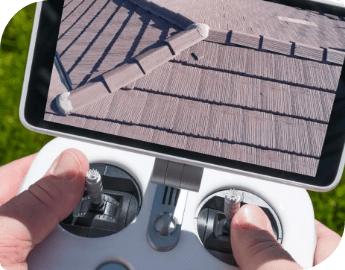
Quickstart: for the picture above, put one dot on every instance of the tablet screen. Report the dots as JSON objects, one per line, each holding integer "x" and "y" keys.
{"x": 258, "y": 89}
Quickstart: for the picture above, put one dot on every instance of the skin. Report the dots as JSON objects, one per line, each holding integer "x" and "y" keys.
{"x": 255, "y": 247}
{"x": 28, "y": 218}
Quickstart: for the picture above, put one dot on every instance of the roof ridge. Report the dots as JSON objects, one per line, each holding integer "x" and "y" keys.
{"x": 175, "y": 18}
{"x": 259, "y": 42}
{"x": 293, "y": 49}
{"x": 125, "y": 74}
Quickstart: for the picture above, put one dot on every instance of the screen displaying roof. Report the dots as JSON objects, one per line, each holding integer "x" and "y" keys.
{"x": 252, "y": 80}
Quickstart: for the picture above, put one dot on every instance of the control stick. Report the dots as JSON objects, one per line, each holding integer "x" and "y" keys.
{"x": 232, "y": 203}
{"x": 94, "y": 187}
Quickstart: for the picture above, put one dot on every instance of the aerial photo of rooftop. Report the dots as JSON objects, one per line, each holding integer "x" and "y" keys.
{"x": 250, "y": 80}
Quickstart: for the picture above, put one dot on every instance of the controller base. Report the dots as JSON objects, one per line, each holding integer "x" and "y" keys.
{"x": 130, "y": 247}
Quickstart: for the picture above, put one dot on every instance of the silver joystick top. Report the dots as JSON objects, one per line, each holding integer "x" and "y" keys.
{"x": 232, "y": 203}
{"x": 94, "y": 186}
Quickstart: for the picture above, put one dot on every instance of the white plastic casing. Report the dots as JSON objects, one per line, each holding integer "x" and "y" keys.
{"x": 63, "y": 250}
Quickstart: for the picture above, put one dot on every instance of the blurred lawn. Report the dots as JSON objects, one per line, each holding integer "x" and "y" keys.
{"x": 17, "y": 142}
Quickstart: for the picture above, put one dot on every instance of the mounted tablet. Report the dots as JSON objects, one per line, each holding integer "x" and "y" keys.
{"x": 252, "y": 90}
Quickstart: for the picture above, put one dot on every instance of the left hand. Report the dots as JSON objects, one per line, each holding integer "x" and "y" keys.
{"x": 28, "y": 218}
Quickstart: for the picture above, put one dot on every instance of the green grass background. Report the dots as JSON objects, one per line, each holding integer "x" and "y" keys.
{"x": 17, "y": 142}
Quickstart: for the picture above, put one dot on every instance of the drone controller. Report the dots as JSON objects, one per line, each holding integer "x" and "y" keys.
{"x": 138, "y": 213}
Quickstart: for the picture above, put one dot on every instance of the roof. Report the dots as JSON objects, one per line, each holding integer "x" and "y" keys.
{"x": 240, "y": 94}
{"x": 267, "y": 18}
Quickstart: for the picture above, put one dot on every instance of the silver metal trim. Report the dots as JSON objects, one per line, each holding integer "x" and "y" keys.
{"x": 164, "y": 228}
{"x": 177, "y": 175}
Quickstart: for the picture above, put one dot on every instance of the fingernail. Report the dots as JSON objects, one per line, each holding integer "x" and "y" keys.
{"x": 251, "y": 217}
{"x": 66, "y": 165}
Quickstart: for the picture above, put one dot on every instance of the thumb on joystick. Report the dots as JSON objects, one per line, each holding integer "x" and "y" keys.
{"x": 253, "y": 243}
{"x": 28, "y": 218}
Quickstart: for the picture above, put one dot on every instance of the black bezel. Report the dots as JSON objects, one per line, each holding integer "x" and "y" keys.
{"x": 37, "y": 92}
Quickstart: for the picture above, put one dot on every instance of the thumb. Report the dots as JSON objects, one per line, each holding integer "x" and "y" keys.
{"x": 28, "y": 218}
{"x": 253, "y": 243}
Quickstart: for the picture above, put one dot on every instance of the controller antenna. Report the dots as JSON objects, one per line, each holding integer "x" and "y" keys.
{"x": 94, "y": 187}
{"x": 232, "y": 203}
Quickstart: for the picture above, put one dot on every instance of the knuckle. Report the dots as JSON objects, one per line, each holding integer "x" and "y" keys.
{"x": 264, "y": 243}
{"x": 42, "y": 194}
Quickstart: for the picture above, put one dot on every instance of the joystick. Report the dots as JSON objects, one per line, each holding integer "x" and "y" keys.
{"x": 95, "y": 188}
{"x": 215, "y": 215}
{"x": 103, "y": 212}
{"x": 158, "y": 214}
{"x": 232, "y": 203}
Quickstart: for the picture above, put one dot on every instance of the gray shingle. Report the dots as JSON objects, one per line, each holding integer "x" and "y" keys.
{"x": 183, "y": 80}
{"x": 275, "y": 45}
{"x": 160, "y": 111}
{"x": 122, "y": 75}
{"x": 192, "y": 117}
{"x": 226, "y": 123}
{"x": 184, "y": 40}
{"x": 151, "y": 59}
{"x": 218, "y": 36}
{"x": 87, "y": 94}
{"x": 135, "y": 132}
{"x": 309, "y": 52}
{"x": 163, "y": 137}
{"x": 127, "y": 106}
{"x": 251, "y": 41}
{"x": 204, "y": 146}
{"x": 334, "y": 56}
{"x": 275, "y": 97}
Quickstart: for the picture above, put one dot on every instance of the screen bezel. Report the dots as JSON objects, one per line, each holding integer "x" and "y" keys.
{"x": 34, "y": 97}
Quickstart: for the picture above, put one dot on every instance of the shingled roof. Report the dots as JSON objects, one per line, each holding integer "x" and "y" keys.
{"x": 257, "y": 88}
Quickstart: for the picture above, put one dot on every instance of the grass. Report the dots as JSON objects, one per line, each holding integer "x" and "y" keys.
{"x": 17, "y": 142}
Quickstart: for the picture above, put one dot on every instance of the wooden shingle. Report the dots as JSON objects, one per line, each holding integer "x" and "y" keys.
{"x": 86, "y": 94}
{"x": 218, "y": 36}
{"x": 160, "y": 111}
{"x": 247, "y": 40}
{"x": 183, "y": 80}
{"x": 335, "y": 56}
{"x": 184, "y": 40}
{"x": 276, "y": 45}
{"x": 171, "y": 139}
{"x": 309, "y": 52}
{"x": 122, "y": 75}
{"x": 151, "y": 59}
{"x": 192, "y": 117}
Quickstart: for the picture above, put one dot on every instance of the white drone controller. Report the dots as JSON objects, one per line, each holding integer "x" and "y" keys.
{"x": 143, "y": 225}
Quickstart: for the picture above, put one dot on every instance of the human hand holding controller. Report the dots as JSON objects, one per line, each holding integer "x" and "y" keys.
{"x": 26, "y": 219}
{"x": 255, "y": 247}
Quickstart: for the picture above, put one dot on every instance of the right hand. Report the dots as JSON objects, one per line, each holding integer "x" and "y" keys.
{"x": 255, "y": 247}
